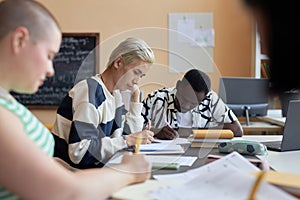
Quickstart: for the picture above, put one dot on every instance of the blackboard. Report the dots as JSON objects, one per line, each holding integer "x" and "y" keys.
{"x": 77, "y": 59}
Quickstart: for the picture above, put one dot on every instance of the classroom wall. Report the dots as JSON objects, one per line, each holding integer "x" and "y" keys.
{"x": 234, "y": 40}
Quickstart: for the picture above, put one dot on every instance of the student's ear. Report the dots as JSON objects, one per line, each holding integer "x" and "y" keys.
{"x": 118, "y": 62}
{"x": 19, "y": 39}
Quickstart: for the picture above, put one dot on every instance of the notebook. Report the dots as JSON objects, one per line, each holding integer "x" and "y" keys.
{"x": 291, "y": 133}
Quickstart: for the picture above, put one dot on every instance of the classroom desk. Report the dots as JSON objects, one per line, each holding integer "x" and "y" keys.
{"x": 280, "y": 161}
{"x": 288, "y": 162}
{"x": 200, "y": 161}
{"x": 272, "y": 123}
{"x": 260, "y": 126}
{"x": 274, "y": 116}
{"x": 201, "y": 153}
{"x": 285, "y": 159}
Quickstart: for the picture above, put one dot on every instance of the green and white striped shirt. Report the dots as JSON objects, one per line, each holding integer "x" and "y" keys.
{"x": 32, "y": 127}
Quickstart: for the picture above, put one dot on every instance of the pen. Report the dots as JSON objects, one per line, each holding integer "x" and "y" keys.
{"x": 155, "y": 141}
{"x": 129, "y": 149}
{"x": 138, "y": 143}
{"x": 167, "y": 123}
{"x": 149, "y": 125}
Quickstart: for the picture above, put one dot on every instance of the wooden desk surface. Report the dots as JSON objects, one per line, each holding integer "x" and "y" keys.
{"x": 272, "y": 123}
{"x": 202, "y": 153}
{"x": 261, "y": 126}
{"x": 274, "y": 116}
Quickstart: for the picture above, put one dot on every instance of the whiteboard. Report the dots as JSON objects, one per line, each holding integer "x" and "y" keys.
{"x": 185, "y": 51}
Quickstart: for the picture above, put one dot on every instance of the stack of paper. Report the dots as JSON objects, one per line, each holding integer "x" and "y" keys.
{"x": 162, "y": 159}
{"x": 225, "y": 179}
{"x": 161, "y": 148}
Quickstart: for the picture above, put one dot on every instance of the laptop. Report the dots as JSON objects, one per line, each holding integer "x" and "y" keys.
{"x": 291, "y": 133}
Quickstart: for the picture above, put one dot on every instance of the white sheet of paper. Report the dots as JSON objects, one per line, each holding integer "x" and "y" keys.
{"x": 164, "y": 159}
{"x": 287, "y": 161}
{"x": 225, "y": 179}
{"x": 219, "y": 182}
{"x": 175, "y": 141}
{"x": 161, "y": 148}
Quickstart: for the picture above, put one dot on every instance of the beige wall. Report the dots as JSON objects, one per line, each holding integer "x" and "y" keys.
{"x": 115, "y": 19}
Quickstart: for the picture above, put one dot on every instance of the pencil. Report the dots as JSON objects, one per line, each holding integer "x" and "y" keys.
{"x": 149, "y": 125}
{"x": 168, "y": 124}
{"x": 138, "y": 143}
{"x": 256, "y": 185}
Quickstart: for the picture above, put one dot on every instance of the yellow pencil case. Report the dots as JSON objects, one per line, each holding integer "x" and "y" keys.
{"x": 212, "y": 133}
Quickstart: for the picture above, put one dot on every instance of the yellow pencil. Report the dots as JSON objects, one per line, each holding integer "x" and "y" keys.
{"x": 149, "y": 125}
{"x": 256, "y": 185}
{"x": 138, "y": 143}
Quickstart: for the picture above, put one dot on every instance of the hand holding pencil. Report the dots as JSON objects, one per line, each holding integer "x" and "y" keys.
{"x": 139, "y": 139}
{"x": 144, "y": 137}
{"x": 167, "y": 132}
{"x": 138, "y": 144}
{"x": 149, "y": 125}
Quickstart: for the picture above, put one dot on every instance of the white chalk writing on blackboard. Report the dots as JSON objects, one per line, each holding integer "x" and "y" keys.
{"x": 74, "y": 50}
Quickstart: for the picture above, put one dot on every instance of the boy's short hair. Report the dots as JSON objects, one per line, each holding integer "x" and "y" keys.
{"x": 199, "y": 81}
{"x": 131, "y": 50}
{"x": 27, "y": 13}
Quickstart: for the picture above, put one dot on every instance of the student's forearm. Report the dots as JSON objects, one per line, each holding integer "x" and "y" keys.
{"x": 107, "y": 180}
{"x": 134, "y": 119}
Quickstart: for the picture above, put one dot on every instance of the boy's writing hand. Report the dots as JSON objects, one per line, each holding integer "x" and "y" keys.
{"x": 167, "y": 133}
{"x": 146, "y": 137}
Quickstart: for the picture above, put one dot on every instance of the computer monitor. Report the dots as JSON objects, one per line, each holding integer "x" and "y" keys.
{"x": 245, "y": 96}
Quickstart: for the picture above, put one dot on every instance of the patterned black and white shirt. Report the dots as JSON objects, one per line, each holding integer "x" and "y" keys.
{"x": 159, "y": 107}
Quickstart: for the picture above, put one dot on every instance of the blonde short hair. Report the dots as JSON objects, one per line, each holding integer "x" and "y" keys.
{"x": 131, "y": 50}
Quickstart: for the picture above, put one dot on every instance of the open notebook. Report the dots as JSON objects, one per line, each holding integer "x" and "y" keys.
{"x": 291, "y": 133}
{"x": 226, "y": 178}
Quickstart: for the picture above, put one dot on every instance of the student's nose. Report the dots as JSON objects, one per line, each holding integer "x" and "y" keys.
{"x": 50, "y": 70}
